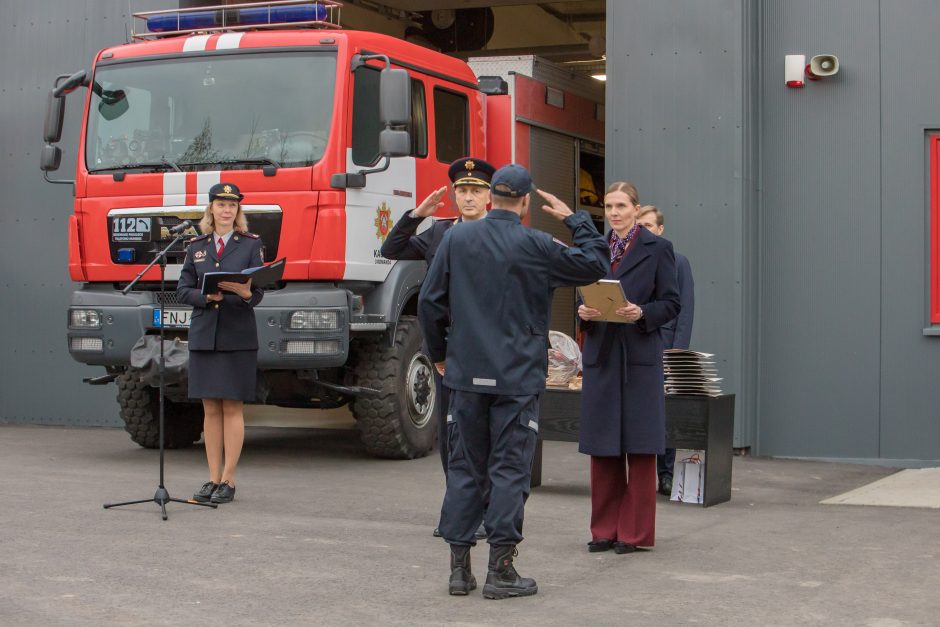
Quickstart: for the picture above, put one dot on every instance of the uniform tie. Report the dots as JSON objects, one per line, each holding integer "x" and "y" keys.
{"x": 221, "y": 247}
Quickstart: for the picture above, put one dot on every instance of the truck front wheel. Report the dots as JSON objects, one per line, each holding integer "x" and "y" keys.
{"x": 399, "y": 422}
{"x": 140, "y": 410}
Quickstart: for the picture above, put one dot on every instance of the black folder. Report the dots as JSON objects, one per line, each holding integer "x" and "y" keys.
{"x": 260, "y": 275}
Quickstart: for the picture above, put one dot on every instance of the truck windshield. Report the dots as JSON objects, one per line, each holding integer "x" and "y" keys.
{"x": 217, "y": 112}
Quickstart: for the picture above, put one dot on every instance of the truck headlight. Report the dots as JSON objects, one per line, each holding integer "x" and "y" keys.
{"x": 86, "y": 344}
{"x": 312, "y": 347}
{"x": 316, "y": 319}
{"x": 84, "y": 319}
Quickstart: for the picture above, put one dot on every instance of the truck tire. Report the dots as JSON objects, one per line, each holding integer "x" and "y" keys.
{"x": 399, "y": 423}
{"x": 140, "y": 410}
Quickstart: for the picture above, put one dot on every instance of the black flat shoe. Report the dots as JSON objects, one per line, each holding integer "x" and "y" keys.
{"x": 437, "y": 532}
{"x": 204, "y": 495}
{"x": 622, "y": 547}
{"x": 599, "y": 546}
{"x": 225, "y": 493}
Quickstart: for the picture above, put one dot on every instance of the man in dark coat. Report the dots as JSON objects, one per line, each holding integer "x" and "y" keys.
{"x": 471, "y": 181}
{"x": 677, "y": 333}
{"x": 491, "y": 284}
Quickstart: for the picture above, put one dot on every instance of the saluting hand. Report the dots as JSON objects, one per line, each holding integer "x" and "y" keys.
{"x": 241, "y": 289}
{"x": 555, "y": 207}
{"x": 431, "y": 204}
{"x": 588, "y": 313}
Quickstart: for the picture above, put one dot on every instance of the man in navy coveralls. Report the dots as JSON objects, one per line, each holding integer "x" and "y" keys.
{"x": 471, "y": 180}
{"x": 491, "y": 283}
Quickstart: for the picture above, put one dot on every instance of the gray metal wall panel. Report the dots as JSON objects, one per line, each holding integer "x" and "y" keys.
{"x": 821, "y": 241}
{"x": 910, "y": 362}
{"x": 675, "y": 128}
{"x": 40, "y": 39}
{"x": 552, "y": 158}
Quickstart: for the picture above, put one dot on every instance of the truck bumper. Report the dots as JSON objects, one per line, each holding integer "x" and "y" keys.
{"x": 123, "y": 318}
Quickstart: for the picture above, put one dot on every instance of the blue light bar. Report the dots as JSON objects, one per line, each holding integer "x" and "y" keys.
{"x": 183, "y": 21}
{"x": 286, "y": 14}
{"x": 199, "y": 20}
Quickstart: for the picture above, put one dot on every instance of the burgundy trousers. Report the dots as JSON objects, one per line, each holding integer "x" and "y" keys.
{"x": 622, "y": 509}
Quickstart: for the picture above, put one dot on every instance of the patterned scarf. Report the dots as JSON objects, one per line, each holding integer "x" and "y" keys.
{"x": 618, "y": 245}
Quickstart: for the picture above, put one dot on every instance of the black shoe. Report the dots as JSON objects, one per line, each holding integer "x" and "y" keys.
{"x": 225, "y": 493}
{"x": 599, "y": 546}
{"x": 481, "y": 533}
{"x": 204, "y": 495}
{"x": 437, "y": 532}
{"x": 502, "y": 580}
{"x": 621, "y": 548}
{"x": 462, "y": 580}
{"x": 665, "y": 485}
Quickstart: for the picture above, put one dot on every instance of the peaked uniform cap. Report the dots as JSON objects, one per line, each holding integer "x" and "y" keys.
{"x": 470, "y": 171}
{"x": 228, "y": 191}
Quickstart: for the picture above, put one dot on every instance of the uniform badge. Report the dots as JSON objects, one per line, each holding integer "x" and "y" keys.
{"x": 227, "y": 189}
{"x": 199, "y": 255}
{"x": 383, "y": 221}
{"x": 469, "y": 165}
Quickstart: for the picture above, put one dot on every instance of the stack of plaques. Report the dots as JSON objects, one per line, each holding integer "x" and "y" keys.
{"x": 690, "y": 373}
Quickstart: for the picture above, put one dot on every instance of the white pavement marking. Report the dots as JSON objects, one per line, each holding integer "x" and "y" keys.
{"x": 907, "y": 488}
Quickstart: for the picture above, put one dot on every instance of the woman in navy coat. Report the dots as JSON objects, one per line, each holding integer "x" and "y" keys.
{"x": 223, "y": 338}
{"x": 623, "y": 418}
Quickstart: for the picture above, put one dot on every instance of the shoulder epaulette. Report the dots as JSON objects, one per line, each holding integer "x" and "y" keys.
{"x": 251, "y": 235}
{"x": 197, "y": 238}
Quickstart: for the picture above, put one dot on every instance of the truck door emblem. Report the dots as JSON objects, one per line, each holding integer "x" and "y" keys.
{"x": 383, "y": 221}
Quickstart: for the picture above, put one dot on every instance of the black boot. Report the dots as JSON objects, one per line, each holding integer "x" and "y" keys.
{"x": 462, "y": 580}
{"x": 502, "y": 580}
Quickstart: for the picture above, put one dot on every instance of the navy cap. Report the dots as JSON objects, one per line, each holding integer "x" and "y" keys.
{"x": 512, "y": 180}
{"x": 470, "y": 171}
{"x": 228, "y": 191}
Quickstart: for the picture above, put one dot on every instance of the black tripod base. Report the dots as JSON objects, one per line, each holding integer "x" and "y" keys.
{"x": 161, "y": 497}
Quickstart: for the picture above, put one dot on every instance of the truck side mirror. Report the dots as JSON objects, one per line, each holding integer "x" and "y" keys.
{"x": 394, "y": 97}
{"x": 50, "y": 158}
{"x": 55, "y": 116}
{"x": 394, "y": 143}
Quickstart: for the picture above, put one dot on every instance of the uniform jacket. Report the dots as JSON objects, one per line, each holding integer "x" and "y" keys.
{"x": 229, "y": 324}
{"x": 622, "y": 402}
{"x": 677, "y": 333}
{"x": 403, "y": 244}
{"x": 492, "y": 282}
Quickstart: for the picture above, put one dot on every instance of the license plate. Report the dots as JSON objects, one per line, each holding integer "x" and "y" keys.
{"x": 130, "y": 229}
{"x": 175, "y": 318}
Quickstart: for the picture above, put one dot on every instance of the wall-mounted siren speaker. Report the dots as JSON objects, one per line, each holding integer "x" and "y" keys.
{"x": 821, "y": 66}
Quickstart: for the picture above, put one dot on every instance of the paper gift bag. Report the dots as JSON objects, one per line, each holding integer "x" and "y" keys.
{"x": 688, "y": 481}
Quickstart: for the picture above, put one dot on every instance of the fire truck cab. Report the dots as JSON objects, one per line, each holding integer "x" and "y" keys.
{"x": 331, "y": 135}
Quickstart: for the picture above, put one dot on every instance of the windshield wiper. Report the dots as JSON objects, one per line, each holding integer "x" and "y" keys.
{"x": 162, "y": 164}
{"x": 251, "y": 161}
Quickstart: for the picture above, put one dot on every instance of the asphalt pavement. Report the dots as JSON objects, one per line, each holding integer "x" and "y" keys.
{"x": 322, "y": 534}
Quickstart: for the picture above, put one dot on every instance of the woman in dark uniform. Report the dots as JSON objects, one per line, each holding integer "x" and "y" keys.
{"x": 223, "y": 339}
{"x": 623, "y": 414}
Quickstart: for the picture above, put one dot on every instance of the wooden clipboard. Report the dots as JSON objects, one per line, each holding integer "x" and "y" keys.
{"x": 607, "y": 297}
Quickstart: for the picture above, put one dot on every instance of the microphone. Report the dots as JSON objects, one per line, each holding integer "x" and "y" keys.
{"x": 182, "y": 226}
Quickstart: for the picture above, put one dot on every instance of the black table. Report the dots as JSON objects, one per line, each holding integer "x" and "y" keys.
{"x": 692, "y": 422}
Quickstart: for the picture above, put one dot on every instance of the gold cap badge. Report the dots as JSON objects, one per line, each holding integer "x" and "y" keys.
{"x": 469, "y": 164}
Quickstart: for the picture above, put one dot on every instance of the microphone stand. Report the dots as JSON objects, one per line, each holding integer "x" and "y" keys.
{"x": 161, "y": 497}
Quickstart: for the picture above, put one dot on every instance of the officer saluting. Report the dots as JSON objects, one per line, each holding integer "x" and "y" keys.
{"x": 471, "y": 180}
{"x": 223, "y": 339}
{"x": 497, "y": 308}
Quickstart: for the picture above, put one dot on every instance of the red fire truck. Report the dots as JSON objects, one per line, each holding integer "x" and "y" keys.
{"x": 331, "y": 135}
